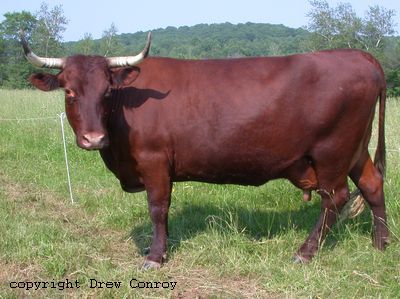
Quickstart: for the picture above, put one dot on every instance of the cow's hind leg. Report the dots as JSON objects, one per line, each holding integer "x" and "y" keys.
{"x": 370, "y": 182}
{"x": 333, "y": 200}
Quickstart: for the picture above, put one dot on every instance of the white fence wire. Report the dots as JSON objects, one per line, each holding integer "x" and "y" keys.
{"x": 61, "y": 117}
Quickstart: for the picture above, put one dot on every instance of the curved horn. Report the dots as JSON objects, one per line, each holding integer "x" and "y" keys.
{"x": 130, "y": 60}
{"x": 54, "y": 63}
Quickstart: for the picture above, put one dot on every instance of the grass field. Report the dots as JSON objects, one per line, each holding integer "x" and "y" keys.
{"x": 225, "y": 241}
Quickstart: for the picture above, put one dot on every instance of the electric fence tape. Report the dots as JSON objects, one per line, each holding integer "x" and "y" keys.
{"x": 61, "y": 117}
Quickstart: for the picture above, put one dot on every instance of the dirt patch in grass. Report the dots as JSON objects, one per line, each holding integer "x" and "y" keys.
{"x": 17, "y": 272}
{"x": 202, "y": 283}
{"x": 46, "y": 206}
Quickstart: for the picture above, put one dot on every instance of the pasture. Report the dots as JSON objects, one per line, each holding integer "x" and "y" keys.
{"x": 225, "y": 240}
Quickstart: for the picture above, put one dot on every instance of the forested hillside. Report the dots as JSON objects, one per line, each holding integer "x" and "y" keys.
{"x": 208, "y": 41}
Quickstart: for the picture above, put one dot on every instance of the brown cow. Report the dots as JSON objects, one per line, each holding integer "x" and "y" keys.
{"x": 307, "y": 118}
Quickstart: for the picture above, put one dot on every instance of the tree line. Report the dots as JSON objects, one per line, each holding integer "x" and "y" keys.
{"x": 328, "y": 27}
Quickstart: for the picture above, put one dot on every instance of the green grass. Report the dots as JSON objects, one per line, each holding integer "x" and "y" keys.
{"x": 225, "y": 241}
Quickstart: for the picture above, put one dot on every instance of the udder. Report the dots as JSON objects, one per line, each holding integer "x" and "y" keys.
{"x": 302, "y": 174}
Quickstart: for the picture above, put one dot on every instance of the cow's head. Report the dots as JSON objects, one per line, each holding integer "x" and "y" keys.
{"x": 87, "y": 81}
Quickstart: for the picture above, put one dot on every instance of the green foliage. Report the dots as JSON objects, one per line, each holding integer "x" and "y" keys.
{"x": 14, "y": 22}
{"x": 15, "y": 75}
{"x": 378, "y": 23}
{"x": 340, "y": 27}
{"x": 50, "y": 25}
{"x": 391, "y": 63}
{"x": 43, "y": 31}
{"x": 222, "y": 40}
{"x": 85, "y": 46}
{"x": 109, "y": 44}
{"x": 13, "y": 67}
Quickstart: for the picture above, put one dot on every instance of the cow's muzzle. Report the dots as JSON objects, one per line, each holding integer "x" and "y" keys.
{"x": 93, "y": 141}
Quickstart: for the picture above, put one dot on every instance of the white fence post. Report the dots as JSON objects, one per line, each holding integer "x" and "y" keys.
{"x": 62, "y": 116}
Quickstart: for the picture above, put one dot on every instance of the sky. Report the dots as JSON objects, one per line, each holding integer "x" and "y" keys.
{"x": 130, "y": 16}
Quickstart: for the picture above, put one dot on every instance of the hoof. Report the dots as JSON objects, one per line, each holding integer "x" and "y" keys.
{"x": 297, "y": 259}
{"x": 146, "y": 250}
{"x": 148, "y": 265}
{"x": 380, "y": 243}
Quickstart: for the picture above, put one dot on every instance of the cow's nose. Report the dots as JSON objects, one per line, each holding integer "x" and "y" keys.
{"x": 93, "y": 140}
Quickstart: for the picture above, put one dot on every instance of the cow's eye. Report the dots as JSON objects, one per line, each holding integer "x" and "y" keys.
{"x": 70, "y": 100}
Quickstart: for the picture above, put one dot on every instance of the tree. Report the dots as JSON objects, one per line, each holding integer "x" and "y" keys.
{"x": 9, "y": 29}
{"x": 86, "y": 45}
{"x": 392, "y": 66}
{"x": 43, "y": 30}
{"x": 378, "y": 23}
{"x": 110, "y": 45}
{"x": 13, "y": 67}
{"x": 322, "y": 24}
{"x": 347, "y": 26}
{"x": 14, "y": 22}
{"x": 50, "y": 26}
{"x": 340, "y": 26}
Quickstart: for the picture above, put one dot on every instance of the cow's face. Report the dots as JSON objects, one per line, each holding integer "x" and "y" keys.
{"x": 87, "y": 81}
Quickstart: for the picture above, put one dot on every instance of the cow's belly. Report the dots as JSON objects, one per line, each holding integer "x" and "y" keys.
{"x": 131, "y": 186}
{"x": 227, "y": 178}
{"x": 233, "y": 169}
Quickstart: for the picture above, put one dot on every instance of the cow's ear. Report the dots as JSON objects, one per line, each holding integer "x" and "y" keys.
{"x": 45, "y": 82}
{"x": 124, "y": 76}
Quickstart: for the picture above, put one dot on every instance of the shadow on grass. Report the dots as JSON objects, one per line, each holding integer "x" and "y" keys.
{"x": 189, "y": 220}
{"x": 341, "y": 231}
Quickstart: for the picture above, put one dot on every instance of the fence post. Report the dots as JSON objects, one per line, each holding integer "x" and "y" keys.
{"x": 62, "y": 116}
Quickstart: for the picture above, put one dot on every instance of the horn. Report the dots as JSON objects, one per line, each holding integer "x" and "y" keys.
{"x": 130, "y": 60}
{"x": 54, "y": 63}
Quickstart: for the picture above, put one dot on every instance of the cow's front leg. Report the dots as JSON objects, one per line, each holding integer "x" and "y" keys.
{"x": 158, "y": 187}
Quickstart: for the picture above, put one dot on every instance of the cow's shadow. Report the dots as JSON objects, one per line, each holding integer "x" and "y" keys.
{"x": 131, "y": 97}
{"x": 191, "y": 220}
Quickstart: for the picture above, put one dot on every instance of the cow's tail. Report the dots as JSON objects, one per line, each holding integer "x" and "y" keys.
{"x": 356, "y": 203}
{"x": 380, "y": 153}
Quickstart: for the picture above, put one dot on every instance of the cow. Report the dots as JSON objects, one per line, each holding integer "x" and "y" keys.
{"x": 306, "y": 118}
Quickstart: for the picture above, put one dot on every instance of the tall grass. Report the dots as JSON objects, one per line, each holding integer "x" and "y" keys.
{"x": 225, "y": 241}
